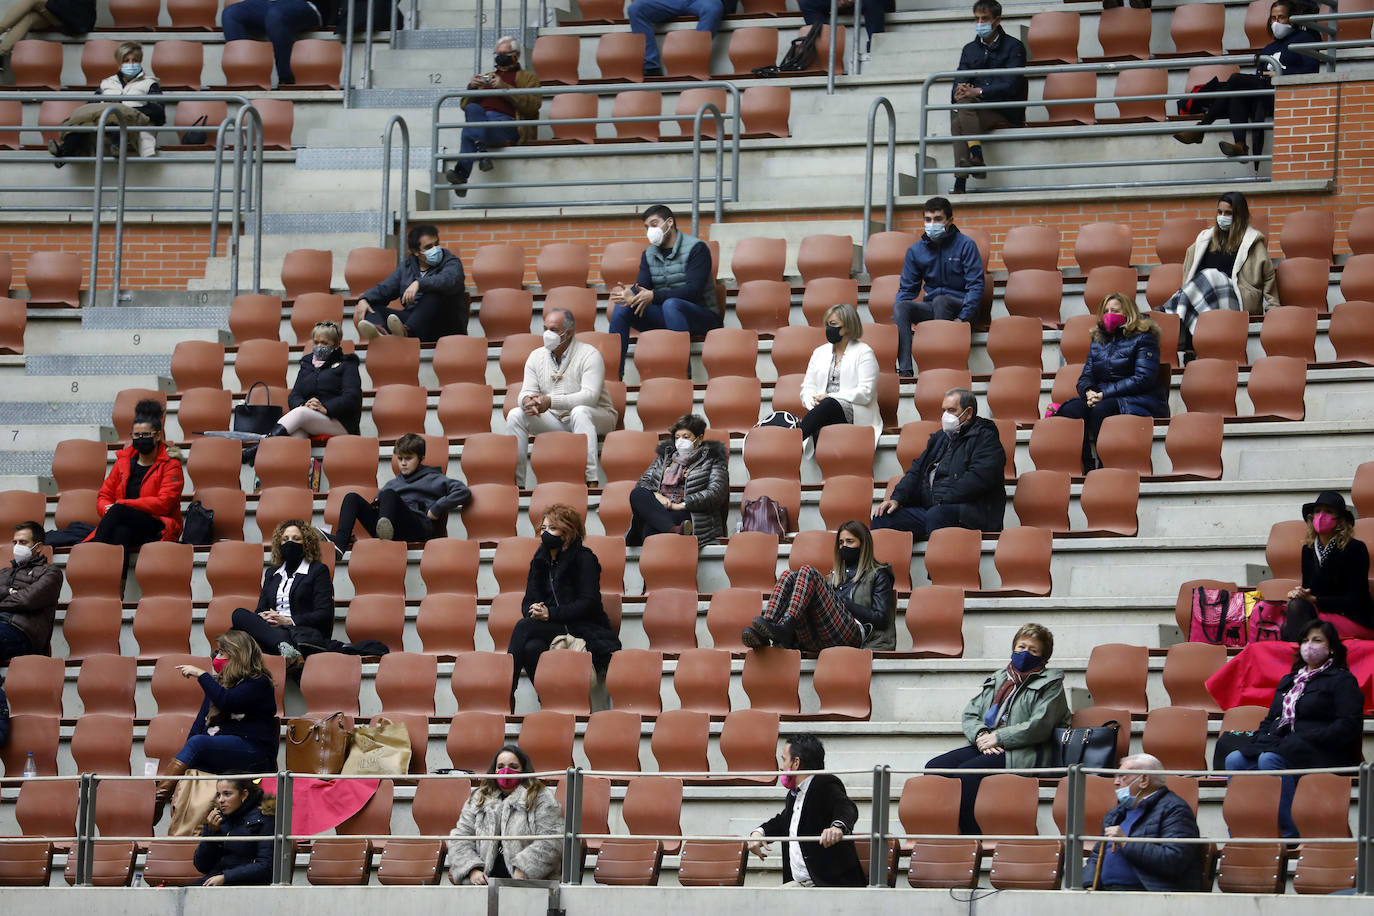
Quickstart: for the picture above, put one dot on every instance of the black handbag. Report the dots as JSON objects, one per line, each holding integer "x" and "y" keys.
{"x": 1093, "y": 746}
{"x": 196, "y": 137}
{"x": 256, "y": 418}
{"x": 198, "y": 525}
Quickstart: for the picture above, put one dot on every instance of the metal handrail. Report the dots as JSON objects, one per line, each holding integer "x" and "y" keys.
{"x": 121, "y": 116}
{"x": 346, "y": 71}
{"x": 889, "y": 195}
{"x": 404, "y": 210}
{"x": 696, "y": 162}
{"x": 439, "y": 156}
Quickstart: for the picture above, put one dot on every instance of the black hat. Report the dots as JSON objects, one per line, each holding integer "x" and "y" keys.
{"x": 1334, "y": 500}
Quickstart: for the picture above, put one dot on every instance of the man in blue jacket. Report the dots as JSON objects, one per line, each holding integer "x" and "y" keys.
{"x": 947, "y": 263}
{"x": 429, "y": 284}
{"x": 1146, "y": 808}
{"x": 991, "y": 49}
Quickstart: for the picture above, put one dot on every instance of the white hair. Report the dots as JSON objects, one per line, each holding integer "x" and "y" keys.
{"x": 510, "y": 40}
{"x": 1148, "y": 764}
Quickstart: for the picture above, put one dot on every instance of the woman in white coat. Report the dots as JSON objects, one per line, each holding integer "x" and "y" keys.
{"x": 513, "y": 806}
{"x": 841, "y": 383}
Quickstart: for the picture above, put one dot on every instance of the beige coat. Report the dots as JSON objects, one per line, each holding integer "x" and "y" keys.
{"x": 1253, "y": 273}
{"x": 509, "y": 818}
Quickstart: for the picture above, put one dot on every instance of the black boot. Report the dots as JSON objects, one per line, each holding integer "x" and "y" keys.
{"x": 250, "y": 454}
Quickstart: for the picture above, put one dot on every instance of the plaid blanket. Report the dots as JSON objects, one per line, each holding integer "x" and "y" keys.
{"x": 1209, "y": 289}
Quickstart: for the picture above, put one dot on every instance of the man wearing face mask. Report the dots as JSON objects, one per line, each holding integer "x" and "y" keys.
{"x": 816, "y": 806}
{"x": 28, "y": 596}
{"x": 564, "y": 389}
{"x": 957, "y": 481}
{"x": 497, "y": 112}
{"x": 1146, "y": 808}
{"x": 675, "y": 288}
{"x": 430, "y": 285}
{"x": 947, "y": 263}
{"x": 991, "y": 49}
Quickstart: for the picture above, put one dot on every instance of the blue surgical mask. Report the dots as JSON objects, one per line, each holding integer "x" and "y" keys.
{"x": 129, "y": 71}
{"x": 434, "y": 255}
{"x": 983, "y": 30}
{"x": 934, "y": 231}
{"x": 1123, "y": 795}
{"x": 1023, "y": 661}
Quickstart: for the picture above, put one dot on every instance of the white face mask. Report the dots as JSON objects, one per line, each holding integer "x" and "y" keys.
{"x": 949, "y": 422}
{"x": 684, "y": 445}
{"x": 1281, "y": 30}
{"x": 935, "y": 230}
{"x": 1224, "y": 222}
{"x": 552, "y": 339}
{"x": 655, "y": 235}
{"x": 22, "y": 553}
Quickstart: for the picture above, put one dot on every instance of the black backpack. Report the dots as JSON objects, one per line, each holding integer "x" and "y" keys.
{"x": 801, "y": 55}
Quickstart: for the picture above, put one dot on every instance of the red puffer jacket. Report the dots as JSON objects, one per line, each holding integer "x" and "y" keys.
{"x": 159, "y": 495}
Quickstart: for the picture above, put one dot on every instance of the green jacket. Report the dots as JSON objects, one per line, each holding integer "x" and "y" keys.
{"x": 1037, "y": 709}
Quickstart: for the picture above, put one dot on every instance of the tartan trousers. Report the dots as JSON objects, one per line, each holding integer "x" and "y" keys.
{"x": 804, "y": 600}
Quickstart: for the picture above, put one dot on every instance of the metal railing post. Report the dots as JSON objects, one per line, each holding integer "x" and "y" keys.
{"x": 878, "y": 826}
{"x": 889, "y": 197}
{"x": 282, "y": 845}
{"x": 98, "y": 188}
{"x": 477, "y": 39}
{"x": 85, "y": 828}
{"x": 1074, "y": 829}
{"x": 385, "y": 221}
{"x": 367, "y": 45}
{"x": 346, "y": 79}
{"x": 696, "y": 161}
{"x": 524, "y": 25}
{"x": 1364, "y": 832}
{"x": 855, "y": 55}
{"x": 834, "y": 32}
{"x": 572, "y": 826}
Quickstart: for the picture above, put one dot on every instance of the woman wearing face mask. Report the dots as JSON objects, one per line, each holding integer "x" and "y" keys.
{"x": 236, "y": 728}
{"x": 562, "y": 596}
{"x": 327, "y": 398}
{"x": 1121, "y": 375}
{"x": 687, "y": 488}
{"x": 1010, "y": 723}
{"x": 140, "y": 500}
{"x": 841, "y": 381}
{"x": 512, "y": 806}
{"x": 1335, "y": 573}
{"x": 1254, "y": 109}
{"x": 1315, "y": 720}
{"x": 295, "y": 612}
{"x": 130, "y": 79}
{"x": 855, "y": 605}
{"x": 240, "y": 811}
{"x": 1226, "y": 267}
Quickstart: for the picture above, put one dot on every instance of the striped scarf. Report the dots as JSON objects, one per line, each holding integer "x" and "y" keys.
{"x": 1290, "y": 699}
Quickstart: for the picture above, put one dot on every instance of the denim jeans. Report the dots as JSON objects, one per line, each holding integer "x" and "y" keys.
{"x": 480, "y": 139}
{"x": 1236, "y": 760}
{"x": 226, "y": 754}
{"x": 645, "y": 14}
{"x": 673, "y": 314}
{"x": 280, "y": 20}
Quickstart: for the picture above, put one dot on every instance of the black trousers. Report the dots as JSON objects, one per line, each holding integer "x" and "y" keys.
{"x": 827, "y": 412}
{"x": 264, "y": 634}
{"x": 408, "y": 524}
{"x": 128, "y": 527}
{"x": 1092, "y": 417}
{"x": 977, "y": 763}
{"x": 529, "y": 640}
{"x": 649, "y": 516}
{"x": 1242, "y": 110}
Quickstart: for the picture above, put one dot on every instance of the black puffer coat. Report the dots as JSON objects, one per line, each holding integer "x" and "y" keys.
{"x": 569, "y": 585}
{"x": 337, "y": 385}
{"x": 1159, "y": 866}
{"x": 240, "y": 863}
{"x": 968, "y": 472}
{"x": 707, "y": 485}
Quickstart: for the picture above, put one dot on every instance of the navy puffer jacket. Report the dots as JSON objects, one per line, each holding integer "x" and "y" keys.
{"x": 1126, "y": 368}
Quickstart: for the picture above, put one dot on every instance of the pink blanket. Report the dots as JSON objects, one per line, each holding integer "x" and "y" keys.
{"x": 318, "y": 805}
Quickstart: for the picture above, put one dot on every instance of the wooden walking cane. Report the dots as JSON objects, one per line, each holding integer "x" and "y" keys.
{"x": 1097, "y": 871}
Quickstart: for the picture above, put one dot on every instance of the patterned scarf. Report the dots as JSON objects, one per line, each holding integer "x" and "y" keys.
{"x": 1324, "y": 552}
{"x": 675, "y": 474}
{"x": 1290, "y": 699}
{"x": 1001, "y": 699}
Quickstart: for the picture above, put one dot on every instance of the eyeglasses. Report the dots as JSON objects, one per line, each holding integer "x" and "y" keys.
{"x": 143, "y": 437}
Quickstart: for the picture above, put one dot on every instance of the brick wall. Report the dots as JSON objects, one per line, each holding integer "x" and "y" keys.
{"x": 1322, "y": 131}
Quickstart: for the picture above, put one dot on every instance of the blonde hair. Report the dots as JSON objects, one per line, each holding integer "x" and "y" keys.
{"x": 128, "y": 47}
{"x": 330, "y": 329}
{"x": 310, "y": 540}
{"x": 1343, "y": 535}
{"x": 243, "y": 658}
{"x": 849, "y": 319}
{"x": 1136, "y": 323}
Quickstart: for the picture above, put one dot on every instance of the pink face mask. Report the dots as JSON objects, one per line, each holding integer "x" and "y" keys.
{"x": 1113, "y": 322}
{"x": 788, "y": 780}
{"x": 218, "y": 663}
{"x": 1324, "y": 523}
{"x": 509, "y": 782}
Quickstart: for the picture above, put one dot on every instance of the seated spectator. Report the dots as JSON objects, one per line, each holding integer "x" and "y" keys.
{"x": 645, "y": 14}
{"x": 817, "y": 13}
{"x": 429, "y": 283}
{"x": 564, "y": 388}
{"x": 957, "y": 481}
{"x": 514, "y": 807}
{"x": 991, "y": 49}
{"x": 1251, "y": 109}
{"x": 1121, "y": 375}
{"x": 817, "y": 805}
{"x": 239, "y": 811}
{"x": 281, "y": 21}
{"x": 327, "y": 398}
{"x": 687, "y": 488}
{"x": 29, "y": 592}
{"x": 1226, "y": 267}
{"x": 1010, "y": 724}
{"x": 236, "y": 729}
{"x": 841, "y": 381}
{"x": 1146, "y": 808}
{"x": 1315, "y": 720}
{"x": 295, "y": 613}
{"x": 675, "y": 289}
{"x": 410, "y": 507}
{"x": 856, "y": 605}
{"x": 70, "y": 17}
{"x": 1335, "y": 573}
{"x": 497, "y": 111}
{"x": 140, "y": 500}
{"x": 129, "y": 79}
{"x": 562, "y": 596}
{"x": 947, "y": 263}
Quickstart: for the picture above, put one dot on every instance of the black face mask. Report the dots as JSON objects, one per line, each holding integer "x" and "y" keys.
{"x": 145, "y": 445}
{"x": 551, "y": 541}
{"x": 292, "y": 552}
{"x": 833, "y": 334}
{"x": 849, "y": 556}
{"x": 505, "y": 61}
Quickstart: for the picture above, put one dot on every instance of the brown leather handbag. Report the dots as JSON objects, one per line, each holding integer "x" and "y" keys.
{"x": 317, "y": 746}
